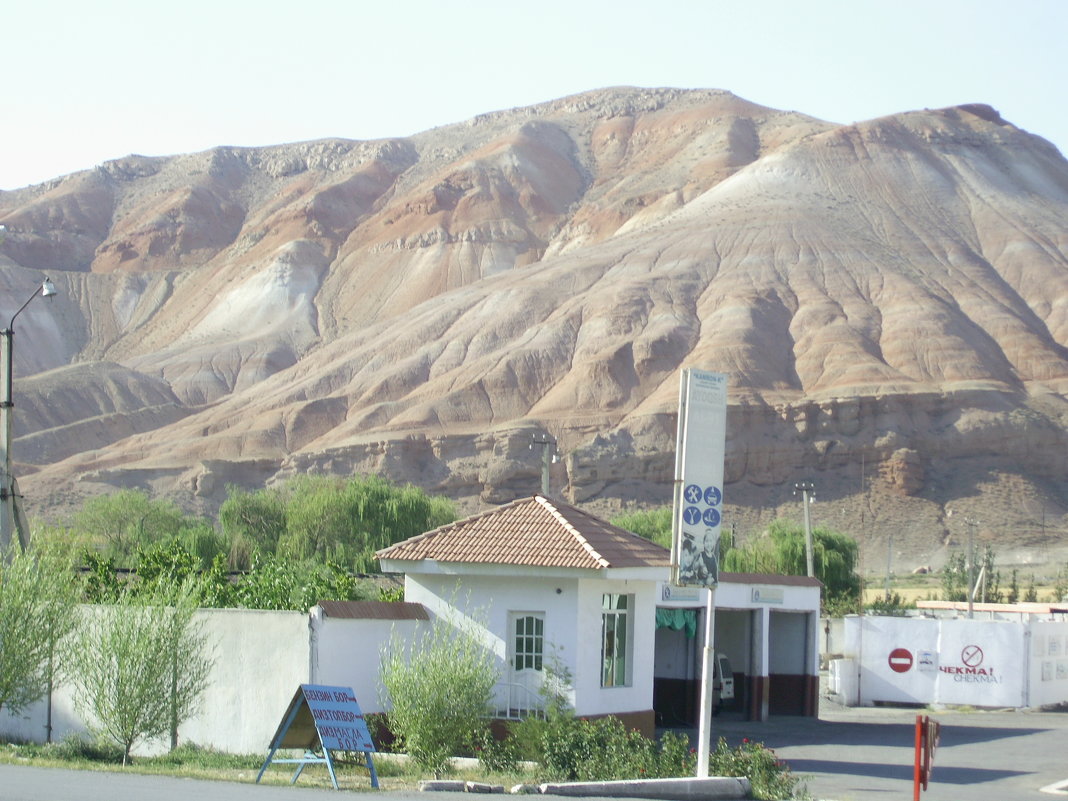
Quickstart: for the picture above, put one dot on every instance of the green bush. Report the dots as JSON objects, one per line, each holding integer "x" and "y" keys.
{"x": 769, "y": 777}
{"x": 497, "y": 756}
{"x": 603, "y": 750}
{"x": 439, "y": 688}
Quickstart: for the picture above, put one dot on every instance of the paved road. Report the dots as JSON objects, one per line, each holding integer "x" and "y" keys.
{"x": 866, "y": 753}
{"x": 846, "y": 755}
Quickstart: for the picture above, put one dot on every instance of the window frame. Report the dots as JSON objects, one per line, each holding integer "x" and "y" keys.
{"x": 617, "y": 623}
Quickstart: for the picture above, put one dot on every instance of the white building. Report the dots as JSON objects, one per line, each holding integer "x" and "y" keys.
{"x": 551, "y": 581}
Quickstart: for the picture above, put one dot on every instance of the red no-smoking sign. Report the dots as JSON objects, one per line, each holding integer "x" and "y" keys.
{"x": 900, "y": 660}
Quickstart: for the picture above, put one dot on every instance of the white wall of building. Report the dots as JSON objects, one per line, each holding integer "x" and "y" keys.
{"x": 572, "y": 610}
{"x": 261, "y": 658}
{"x": 637, "y": 694}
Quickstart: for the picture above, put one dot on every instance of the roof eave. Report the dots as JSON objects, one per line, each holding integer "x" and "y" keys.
{"x": 435, "y": 567}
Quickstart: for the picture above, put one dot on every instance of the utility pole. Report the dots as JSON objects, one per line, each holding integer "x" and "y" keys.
{"x": 548, "y": 457}
{"x": 807, "y": 488}
{"x": 9, "y": 520}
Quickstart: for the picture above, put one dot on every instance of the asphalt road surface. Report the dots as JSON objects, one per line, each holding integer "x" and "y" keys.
{"x": 845, "y": 755}
{"x": 867, "y": 753}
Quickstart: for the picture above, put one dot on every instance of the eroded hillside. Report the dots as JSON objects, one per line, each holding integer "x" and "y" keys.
{"x": 889, "y": 300}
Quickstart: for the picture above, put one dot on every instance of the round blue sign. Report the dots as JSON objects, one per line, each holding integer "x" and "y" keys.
{"x": 691, "y": 515}
{"x": 713, "y": 496}
{"x": 692, "y": 493}
{"x": 711, "y": 517}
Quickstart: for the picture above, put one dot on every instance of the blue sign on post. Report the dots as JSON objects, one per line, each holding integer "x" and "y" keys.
{"x": 699, "y": 479}
{"x": 326, "y": 716}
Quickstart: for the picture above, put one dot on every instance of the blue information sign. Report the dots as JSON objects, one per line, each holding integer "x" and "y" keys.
{"x": 325, "y": 716}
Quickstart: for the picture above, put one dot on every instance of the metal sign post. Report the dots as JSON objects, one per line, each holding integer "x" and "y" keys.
{"x": 698, "y": 513}
{"x": 928, "y": 733}
{"x": 326, "y": 717}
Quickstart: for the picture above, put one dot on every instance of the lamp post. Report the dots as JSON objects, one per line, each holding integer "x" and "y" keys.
{"x": 7, "y": 481}
{"x": 970, "y": 567}
{"x": 807, "y": 488}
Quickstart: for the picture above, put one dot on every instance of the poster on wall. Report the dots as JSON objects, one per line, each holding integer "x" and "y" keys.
{"x": 698, "y": 508}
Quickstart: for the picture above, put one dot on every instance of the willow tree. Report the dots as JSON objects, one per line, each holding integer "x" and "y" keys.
{"x": 140, "y": 666}
{"x": 37, "y": 603}
{"x": 781, "y": 550}
{"x": 124, "y": 521}
{"x": 347, "y": 520}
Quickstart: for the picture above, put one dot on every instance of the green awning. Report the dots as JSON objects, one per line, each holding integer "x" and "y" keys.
{"x": 677, "y": 619}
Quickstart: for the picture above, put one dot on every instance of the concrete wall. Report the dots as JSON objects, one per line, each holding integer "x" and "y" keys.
{"x": 637, "y": 695}
{"x": 980, "y": 663}
{"x": 348, "y": 653}
{"x": 1048, "y": 675}
{"x": 260, "y": 660}
{"x": 490, "y": 602}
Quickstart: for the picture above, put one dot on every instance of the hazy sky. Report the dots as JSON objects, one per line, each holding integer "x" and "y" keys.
{"x": 84, "y": 82}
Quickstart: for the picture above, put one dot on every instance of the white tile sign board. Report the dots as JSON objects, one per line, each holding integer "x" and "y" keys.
{"x": 698, "y": 508}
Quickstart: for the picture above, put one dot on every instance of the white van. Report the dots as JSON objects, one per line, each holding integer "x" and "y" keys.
{"x": 722, "y": 682}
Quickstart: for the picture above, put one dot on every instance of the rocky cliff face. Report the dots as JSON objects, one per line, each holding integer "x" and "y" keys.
{"x": 889, "y": 300}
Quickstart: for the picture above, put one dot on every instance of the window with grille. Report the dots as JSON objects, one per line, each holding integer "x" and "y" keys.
{"x": 615, "y": 639}
{"x": 529, "y": 642}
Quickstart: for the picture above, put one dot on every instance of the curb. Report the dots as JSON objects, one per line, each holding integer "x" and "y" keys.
{"x": 712, "y": 788}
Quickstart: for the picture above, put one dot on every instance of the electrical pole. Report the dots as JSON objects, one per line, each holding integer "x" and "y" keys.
{"x": 807, "y": 488}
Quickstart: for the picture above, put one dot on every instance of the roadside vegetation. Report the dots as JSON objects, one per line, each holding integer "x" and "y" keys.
{"x": 780, "y": 549}
{"x": 285, "y": 547}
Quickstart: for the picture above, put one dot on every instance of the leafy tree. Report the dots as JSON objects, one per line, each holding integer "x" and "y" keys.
{"x": 140, "y": 666}
{"x": 1014, "y": 587}
{"x": 126, "y": 520}
{"x": 320, "y": 516}
{"x": 253, "y": 522}
{"x": 37, "y": 603}
{"x": 890, "y": 605}
{"x": 102, "y": 585}
{"x": 1060, "y": 585}
{"x": 1031, "y": 593}
{"x": 439, "y": 690}
{"x": 955, "y": 578}
{"x": 329, "y": 518}
{"x": 275, "y": 583}
{"x": 653, "y": 524}
{"x": 782, "y": 550}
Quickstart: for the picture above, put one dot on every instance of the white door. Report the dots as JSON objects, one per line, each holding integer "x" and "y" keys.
{"x": 526, "y": 662}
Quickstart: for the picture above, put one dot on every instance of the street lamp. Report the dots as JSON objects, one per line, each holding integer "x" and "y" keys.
{"x": 807, "y": 488}
{"x": 7, "y": 482}
{"x": 970, "y": 594}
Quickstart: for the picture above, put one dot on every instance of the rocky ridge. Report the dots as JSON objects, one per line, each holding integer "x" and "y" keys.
{"x": 889, "y": 300}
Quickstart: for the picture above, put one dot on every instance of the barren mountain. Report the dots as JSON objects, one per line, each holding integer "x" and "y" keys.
{"x": 889, "y": 300}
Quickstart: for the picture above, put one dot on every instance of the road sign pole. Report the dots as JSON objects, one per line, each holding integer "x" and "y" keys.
{"x": 916, "y": 770}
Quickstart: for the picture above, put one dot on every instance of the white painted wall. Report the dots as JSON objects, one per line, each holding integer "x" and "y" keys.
{"x": 1049, "y": 663}
{"x": 260, "y": 660}
{"x": 489, "y": 600}
{"x": 788, "y": 646}
{"x": 637, "y": 696}
{"x": 348, "y": 653}
{"x": 572, "y": 626}
{"x": 980, "y": 663}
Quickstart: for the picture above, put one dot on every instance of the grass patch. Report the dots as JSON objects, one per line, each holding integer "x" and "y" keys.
{"x": 78, "y": 752}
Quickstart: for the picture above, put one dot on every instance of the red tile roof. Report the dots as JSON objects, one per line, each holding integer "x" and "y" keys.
{"x": 536, "y": 532}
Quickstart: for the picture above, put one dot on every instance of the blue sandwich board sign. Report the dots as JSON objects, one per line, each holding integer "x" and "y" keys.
{"x": 326, "y": 718}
